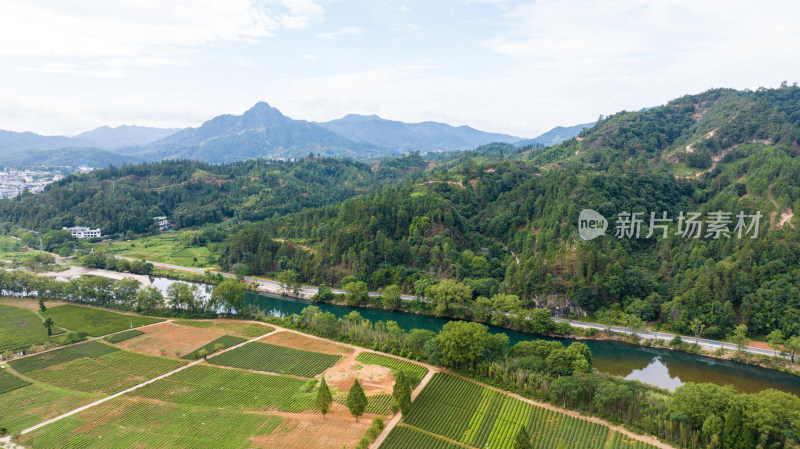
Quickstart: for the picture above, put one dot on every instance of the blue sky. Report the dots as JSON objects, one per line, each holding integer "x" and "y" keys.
{"x": 505, "y": 66}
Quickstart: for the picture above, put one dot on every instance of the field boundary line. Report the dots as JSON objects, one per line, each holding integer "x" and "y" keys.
{"x": 398, "y": 416}
{"x": 121, "y": 393}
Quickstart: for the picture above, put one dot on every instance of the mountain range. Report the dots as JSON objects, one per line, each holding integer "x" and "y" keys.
{"x": 260, "y": 132}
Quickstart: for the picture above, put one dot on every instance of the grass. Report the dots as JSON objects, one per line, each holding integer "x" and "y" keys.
{"x": 122, "y": 424}
{"x": 20, "y": 329}
{"x": 209, "y": 386}
{"x": 13, "y": 250}
{"x": 276, "y": 359}
{"x": 226, "y": 341}
{"x": 414, "y": 373}
{"x": 124, "y": 335}
{"x": 95, "y": 322}
{"x": 10, "y": 382}
{"x": 165, "y": 248}
{"x": 94, "y": 367}
{"x": 27, "y": 406}
{"x": 244, "y": 329}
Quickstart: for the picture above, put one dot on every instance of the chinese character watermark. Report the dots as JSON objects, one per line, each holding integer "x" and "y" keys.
{"x": 690, "y": 225}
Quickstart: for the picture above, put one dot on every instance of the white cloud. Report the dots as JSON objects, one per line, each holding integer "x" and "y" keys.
{"x": 344, "y": 31}
{"x": 149, "y": 29}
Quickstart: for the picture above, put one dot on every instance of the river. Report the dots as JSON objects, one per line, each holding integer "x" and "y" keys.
{"x": 660, "y": 367}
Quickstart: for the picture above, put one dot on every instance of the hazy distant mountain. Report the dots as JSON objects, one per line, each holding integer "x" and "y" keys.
{"x": 556, "y": 135}
{"x": 109, "y": 138}
{"x": 64, "y": 157}
{"x": 261, "y": 132}
{"x": 11, "y": 141}
{"x": 405, "y": 137}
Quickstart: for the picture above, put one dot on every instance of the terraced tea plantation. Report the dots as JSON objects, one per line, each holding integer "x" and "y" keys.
{"x": 94, "y": 367}
{"x": 124, "y": 424}
{"x": 406, "y": 437}
{"x": 414, "y": 373}
{"x": 95, "y": 322}
{"x": 10, "y": 382}
{"x": 276, "y": 359}
{"x": 231, "y": 389}
{"x": 480, "y": 417}
{"x": 20, "y": 328}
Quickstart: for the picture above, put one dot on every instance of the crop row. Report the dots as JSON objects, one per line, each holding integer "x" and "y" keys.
{"x": 406, "y": 437}
{"x": 92, "y": 349}
{"x": 10, "y": 382}
{"x": 231, "y": 389}
{"x": 95, "y": 322}
{"x": 32, "y": 404}
{"x": 226, "y": 341}
{"x": 379, "y": 404}
{"x": 620, "y": 441}
{"x": 414, "y": 373}
{"x": 124, "y": 335}
{"x": 106, "y": 373}
{"x": 20, "y": 328}
{"x": 122, "y": 424}
{"x": 276, "y": 359}
{"x": 464, "y": 411}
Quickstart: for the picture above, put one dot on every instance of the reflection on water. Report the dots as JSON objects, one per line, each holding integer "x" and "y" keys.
{"x": 660, "y": 367}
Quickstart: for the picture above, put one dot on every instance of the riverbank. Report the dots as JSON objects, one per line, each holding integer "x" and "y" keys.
{"x": 76, "y": 271}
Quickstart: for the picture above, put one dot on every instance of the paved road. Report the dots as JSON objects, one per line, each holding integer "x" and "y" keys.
{"x": 308, "y": 291}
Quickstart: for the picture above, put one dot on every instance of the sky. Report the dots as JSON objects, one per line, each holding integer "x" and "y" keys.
{"x": 517, "y": 67}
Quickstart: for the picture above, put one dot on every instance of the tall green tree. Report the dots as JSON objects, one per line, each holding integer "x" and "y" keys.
{"x": 739, "y": 337}
{"x": 402, "y": 393}
{"x": 324, "y": 399}
{"x": 230, "y": 293}
{"x": 42, "y": 307}
{"x": 356, "y": 400}
{"x": 390, "y": 297}
{"x": 48, "y": 323}
{"x": 775, "y": 340}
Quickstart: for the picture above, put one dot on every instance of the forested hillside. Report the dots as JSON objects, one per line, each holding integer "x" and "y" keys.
{"x": 508, "y": 222}
{"x": 122, "y": 199}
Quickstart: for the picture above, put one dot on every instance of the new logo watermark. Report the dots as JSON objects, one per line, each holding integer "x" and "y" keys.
{"x": 591, "y": 224}
{"x": 694, "y": 225}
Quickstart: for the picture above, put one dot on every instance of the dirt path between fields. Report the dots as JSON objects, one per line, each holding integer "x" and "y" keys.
{"x": 398, "y": 416}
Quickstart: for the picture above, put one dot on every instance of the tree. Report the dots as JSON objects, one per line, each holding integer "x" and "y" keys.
{"x": 289, "y": 282}
{"x": 390, "y": 297}
{"x": 355, "y": 292}
{"x": 324, "y": 294}
{"x": 792, "y": 346}
{"x": 230, "y": 293}
{"x": 461, "y": 343}
{"x": 739, "y": 337}
{"x": 587, "y": 299}
{"x": 635, "y": 324}
{"x": 356, "y": 400}
{"x": 42, "y": 307}
{"x": 149, "y": 298}
{"x": 540, "y": 321}
{"x": 324, "y": 399}
{"x": 522, "y": 440}
{"x": 697, "y": 327}
{"x": 449, "y": 295}
{"x": 180, "y": 296}
{"x": 48, "y": 323}
{"x": 402, "y": 393}
{"x": 775, "y": 340}
{"x": 203, "y": 353}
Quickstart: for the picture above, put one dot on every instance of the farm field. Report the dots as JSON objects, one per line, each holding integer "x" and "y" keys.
{"x": 171, "y": 340}
{"x": 29, "y": 405}
{"x": 124, "y": 335}
{"x": 276, "y": 359}
{"x": 237, "y": 328}
{"x": 124, "y": 423}
{"x": 93, "y": 367}
{"x": 226, "y": 341}
{"x": 406, "y": 437}
{"x": 95, "y": 322}
{"x": 471, "y": 414}
{"x": 414, "y": 373}
{"x": 232, "y": 389}
{"x": 20, "y": 328}
{"x": 165, "y": 248}
{"x": 306, "y": 343}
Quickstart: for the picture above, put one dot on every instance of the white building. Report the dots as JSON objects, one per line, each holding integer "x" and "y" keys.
{"x": 162, "y": 223}
{"x": 82, "y": 232}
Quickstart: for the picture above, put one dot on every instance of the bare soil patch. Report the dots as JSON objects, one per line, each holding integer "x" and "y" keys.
{"x": 304, "y": 431}
{"x": 170, "y": 337}
{"x": 374, "y": 379}
{"x": 298, "y": 341}
{"x": 30, "y": 304}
